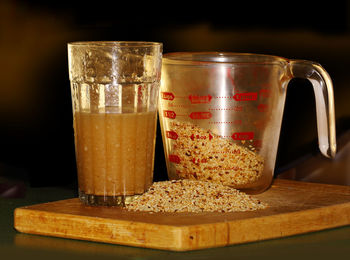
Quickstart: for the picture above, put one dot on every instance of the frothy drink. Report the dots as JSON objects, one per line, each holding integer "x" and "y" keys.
{"x": 115, "y": 153}
{"x": 114, "y": 87}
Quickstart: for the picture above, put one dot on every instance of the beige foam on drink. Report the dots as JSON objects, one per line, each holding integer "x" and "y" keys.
{"x": 115, "y": 152}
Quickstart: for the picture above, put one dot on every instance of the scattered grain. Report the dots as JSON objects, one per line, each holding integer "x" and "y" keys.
{"x": 194, "y": 196}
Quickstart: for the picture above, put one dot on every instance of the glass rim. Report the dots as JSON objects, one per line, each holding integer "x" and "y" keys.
{"x": 119, "y": 44}
{"x": 217, "y": 58}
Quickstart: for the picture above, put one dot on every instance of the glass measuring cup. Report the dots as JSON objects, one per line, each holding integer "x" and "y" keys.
{"x": 221, "y": 115}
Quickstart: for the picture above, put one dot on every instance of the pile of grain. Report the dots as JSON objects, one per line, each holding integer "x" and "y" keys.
{"x": 194, "y": 196}
{"x": 206, "y": 156}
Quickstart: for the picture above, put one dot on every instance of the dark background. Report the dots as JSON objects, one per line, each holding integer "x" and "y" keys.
{"x": 36, "y": 133}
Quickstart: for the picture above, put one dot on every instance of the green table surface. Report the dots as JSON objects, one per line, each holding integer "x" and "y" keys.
{"x": 327, "y": 244}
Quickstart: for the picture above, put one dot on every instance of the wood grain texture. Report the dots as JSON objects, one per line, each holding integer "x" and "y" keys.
{"x": 294, "y": 208}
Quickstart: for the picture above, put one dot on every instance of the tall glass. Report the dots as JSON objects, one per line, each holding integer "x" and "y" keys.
{"x": 114, "y": 87}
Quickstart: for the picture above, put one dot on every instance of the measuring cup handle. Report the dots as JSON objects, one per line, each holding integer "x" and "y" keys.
{"x": 323, "y": 90}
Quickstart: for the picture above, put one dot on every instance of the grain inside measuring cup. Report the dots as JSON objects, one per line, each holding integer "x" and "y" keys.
{"x": 214, "y": 159}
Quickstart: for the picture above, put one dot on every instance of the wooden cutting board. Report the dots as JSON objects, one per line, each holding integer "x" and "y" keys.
{"x": 295, "y": 208}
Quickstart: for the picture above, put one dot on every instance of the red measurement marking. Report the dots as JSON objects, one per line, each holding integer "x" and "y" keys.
{"x": 196, "y": 99}
{"x": 179, "y": 105}
{"x": 169, "y": 114}
{"x": 167, "y": 95}
{"x": 171, "y": 134}
{"x": 233, "y": 168}
{"x": 201, "y": 137}
{"x": 235, "y": 122}
{"x": 200, "y": 115}
{"x": 197, "y": 161}
{"x": 235, "y": 108}
{"x": 139, "y": 93}
{"x": 229, "y": 76}
{"x": 246, "y": 96}
{"x": 262, "y": 107}
{"x": 243, "y": 136}
{"x": 264, "y": 93}
{"x": 260, "y": 124}
{"x": 235, "y": 151}
{"x": 174, "y": 158}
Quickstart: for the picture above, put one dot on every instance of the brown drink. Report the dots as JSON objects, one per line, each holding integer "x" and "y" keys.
{"x": 114, "y": 88}
{"x": 115, "y": 153}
